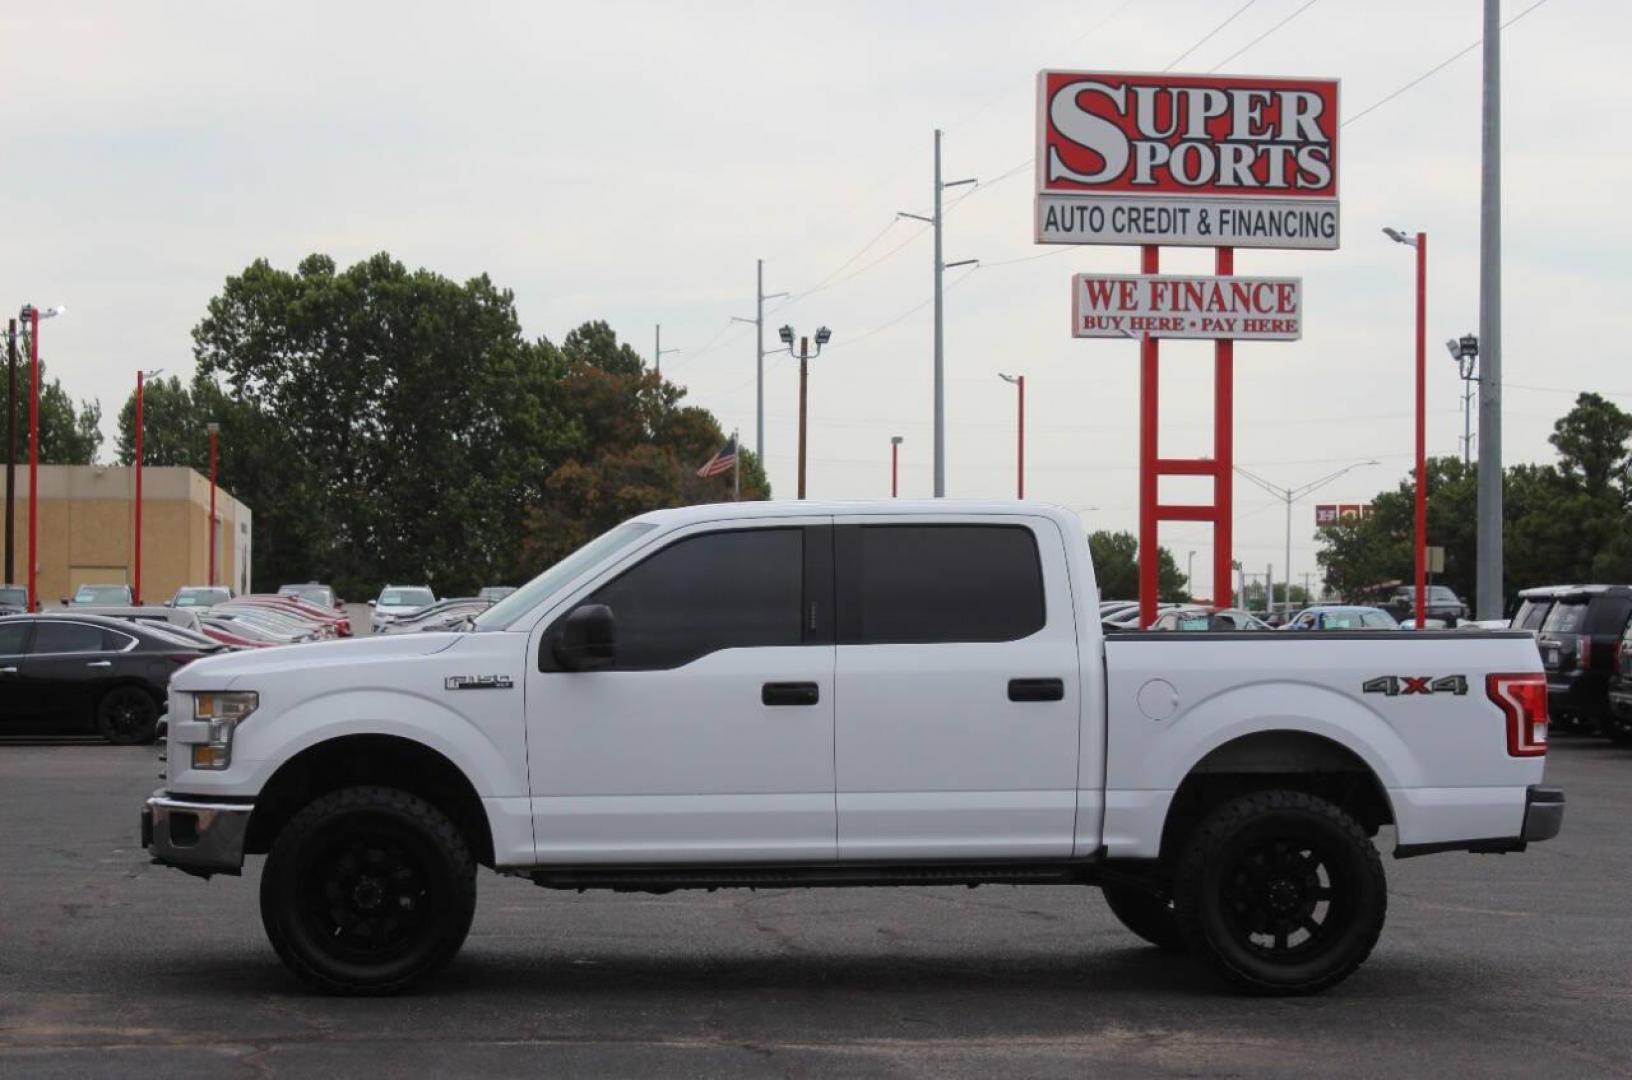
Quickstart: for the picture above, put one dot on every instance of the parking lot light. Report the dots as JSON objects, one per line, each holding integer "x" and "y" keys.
{"x": 1420, "y": 544}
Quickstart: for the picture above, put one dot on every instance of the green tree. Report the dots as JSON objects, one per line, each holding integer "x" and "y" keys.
{"x": 173, "y": 430}
{"x": 1116, "y": 567}
{"x": 68, "y": 436}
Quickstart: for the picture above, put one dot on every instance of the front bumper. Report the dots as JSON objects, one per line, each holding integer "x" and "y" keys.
{"x": 1543, "y": 819}
{"x": 199, "y": 836}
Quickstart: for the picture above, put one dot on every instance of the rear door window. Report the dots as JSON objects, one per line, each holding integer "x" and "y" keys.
{"x": 53, "y": 637}
{"x": 921, "y": 584}
{"x": 1532, "y": 614}
{"x": 13, "y": 636}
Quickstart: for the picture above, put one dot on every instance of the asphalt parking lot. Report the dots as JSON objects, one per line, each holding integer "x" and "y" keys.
{"x": 1512, "y": 965}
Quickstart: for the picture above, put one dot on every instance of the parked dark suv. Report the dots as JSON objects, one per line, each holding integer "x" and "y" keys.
{"x": 1619, "y": 725}
{"x": 1443, "y": 604}
{"x": 1580, "y": 643}
{"x": 1534, "y": 606}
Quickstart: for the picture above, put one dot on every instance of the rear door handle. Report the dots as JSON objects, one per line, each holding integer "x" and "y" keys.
{"x": 1036, "y": 689}
{"x": 100, "y": 663}
{"x": 789, "y": 693}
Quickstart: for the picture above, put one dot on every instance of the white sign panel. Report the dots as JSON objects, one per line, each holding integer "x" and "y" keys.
{"x": 1189, "y": 222}
{"x": 1180, "y": 306}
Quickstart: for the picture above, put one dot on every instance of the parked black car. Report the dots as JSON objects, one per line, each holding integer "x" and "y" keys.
{"x": 88, "y": 673}
{"x": 1579, "y": 642}
{"x": 1443, "y": 604}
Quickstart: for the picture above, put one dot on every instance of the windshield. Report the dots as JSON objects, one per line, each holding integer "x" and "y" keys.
{"x": 102, "y": 594}
{"x": 530, "y": 595}
{"x": 199, "y": 597}
{"x": 317, "y": 594}
{"x": 13, "y": 596}
{"x": 1567, "y": 617}
{"x": 406, "y": 597}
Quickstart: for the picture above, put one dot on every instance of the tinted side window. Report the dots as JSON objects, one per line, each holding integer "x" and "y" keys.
{"x": 917, "y": 584}
{"x": 12, "y": 636}
{"x": 1607, "y": 614}
{"x": 1533, "y": 614}
{"x": 1566, "y": 617}
{"x": 51, "y": 636}
{"x": 725, "y": 590}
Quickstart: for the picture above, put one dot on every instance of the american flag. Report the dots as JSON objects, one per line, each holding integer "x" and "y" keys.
{"x": 722, "y": 462}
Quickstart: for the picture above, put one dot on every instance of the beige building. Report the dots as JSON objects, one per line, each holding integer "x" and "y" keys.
{"x": 87, "y": 530}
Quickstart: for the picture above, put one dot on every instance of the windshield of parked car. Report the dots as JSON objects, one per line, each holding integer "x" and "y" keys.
{"x": 102, "y": 594}
{"x": 1567, "y": 617}
{"x": 13, "y": 596}
{"x": 317, "y": 594}
{"x": 200, "y": 597}
{"x": 530, "y": 595}
{"x": 406, "y": 597}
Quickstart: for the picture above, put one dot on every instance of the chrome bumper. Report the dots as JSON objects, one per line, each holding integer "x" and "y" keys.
{"x": 199, "y": 837}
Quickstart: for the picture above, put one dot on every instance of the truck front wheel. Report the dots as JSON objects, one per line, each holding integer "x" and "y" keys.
{"x": 1282, "y": 892}
{"x": 367, "y": 890}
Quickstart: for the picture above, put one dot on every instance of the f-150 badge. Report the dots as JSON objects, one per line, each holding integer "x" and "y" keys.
{"x": 478, "y": 682}
{"x": 1401, "y": 685}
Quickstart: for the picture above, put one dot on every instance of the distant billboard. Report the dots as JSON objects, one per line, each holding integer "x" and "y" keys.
{"x": 1191, "y": 160}
{"x": 1332, "y": 513}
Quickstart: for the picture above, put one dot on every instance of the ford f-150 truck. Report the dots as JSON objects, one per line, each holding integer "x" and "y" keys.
{"x": 800, "y": 694}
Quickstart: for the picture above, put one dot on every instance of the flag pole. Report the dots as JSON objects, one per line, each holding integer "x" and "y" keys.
{"x": 736, "y": 469}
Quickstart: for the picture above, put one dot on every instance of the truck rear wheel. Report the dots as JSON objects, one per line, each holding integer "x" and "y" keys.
{"x": 367, "y": 890}
{"x": 1282, "y": 892}
{"x": 1147, "y": 913}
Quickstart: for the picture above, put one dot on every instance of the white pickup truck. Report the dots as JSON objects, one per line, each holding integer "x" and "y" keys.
{"x": 801, "y": 694}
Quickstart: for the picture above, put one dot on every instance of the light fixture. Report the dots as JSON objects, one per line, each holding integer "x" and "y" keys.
{"x": 786, "y": 334}
{"x": 823, "y": 335}
{"x": 1399, "y": 237}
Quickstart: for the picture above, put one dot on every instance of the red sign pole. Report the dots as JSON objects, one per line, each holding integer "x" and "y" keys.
{"x": 1149, "y": 388}
{"x": 1422, "y": 428}
{"x": 136, "y": 593}
{"x": 1223, "y": 451}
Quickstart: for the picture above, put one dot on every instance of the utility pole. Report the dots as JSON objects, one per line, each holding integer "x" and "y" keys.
{"x": 940, "y": 354}
{"x": 658, "y": 350}
{"x": 11, "y": 449}
{"x": 1290, "y": 496}
{"x": 760, "y": 296}
{"x": 1488, "y": 599}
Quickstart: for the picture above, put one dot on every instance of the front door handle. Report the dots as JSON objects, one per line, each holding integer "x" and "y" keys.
{"x": 789, "y": 693}
{"x": 1036, "y": 689}
{"x": 100, "y": 663}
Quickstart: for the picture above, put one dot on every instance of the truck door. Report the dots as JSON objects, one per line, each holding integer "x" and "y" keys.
{"x": 710, "y": 737}
{"x": 958, "y": 689}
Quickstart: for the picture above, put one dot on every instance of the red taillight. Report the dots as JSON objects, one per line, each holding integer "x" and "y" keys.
{"x": 1523, "y": 700}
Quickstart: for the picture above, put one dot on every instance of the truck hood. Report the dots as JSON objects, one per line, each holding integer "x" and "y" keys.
{"x": 250, "y": 666}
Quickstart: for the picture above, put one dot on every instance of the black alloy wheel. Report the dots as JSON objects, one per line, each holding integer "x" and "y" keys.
{"x": 127, "y": 716}
{"x": 367, "y": 890}
{"x": 1282, "y": 892}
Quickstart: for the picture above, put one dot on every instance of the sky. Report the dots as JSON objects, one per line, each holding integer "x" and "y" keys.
{"x": 631, "y": 161}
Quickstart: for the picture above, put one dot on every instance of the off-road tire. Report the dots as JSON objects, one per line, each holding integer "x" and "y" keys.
{"x": 355, "y": 868}
{"x": 1147, "y": 913}
{"x": 1254, "y": 867}
{"x": 127, "y": 716}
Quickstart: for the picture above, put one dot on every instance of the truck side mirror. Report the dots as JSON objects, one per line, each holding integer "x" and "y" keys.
{"x": 586, "y": 640}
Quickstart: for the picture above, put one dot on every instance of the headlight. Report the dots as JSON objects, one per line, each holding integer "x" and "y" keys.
{"x": 223, "y": 712}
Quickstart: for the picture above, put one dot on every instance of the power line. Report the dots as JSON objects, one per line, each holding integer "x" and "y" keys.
{"x": 1208, "y": 36}
{"x": 1436, "y": 69}
{"x": 1306, "y": 6}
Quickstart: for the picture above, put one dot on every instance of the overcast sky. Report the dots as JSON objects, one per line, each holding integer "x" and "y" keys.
{"x": 629, "y": 162}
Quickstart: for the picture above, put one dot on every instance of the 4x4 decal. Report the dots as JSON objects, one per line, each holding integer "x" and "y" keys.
{"x": 1399, "y": 685}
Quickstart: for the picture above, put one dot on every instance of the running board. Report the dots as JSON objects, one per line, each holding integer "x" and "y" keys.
{"x": 662, "y": 879}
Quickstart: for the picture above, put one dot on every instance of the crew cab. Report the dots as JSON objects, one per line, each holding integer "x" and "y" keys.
{"x": 782, "y": 694}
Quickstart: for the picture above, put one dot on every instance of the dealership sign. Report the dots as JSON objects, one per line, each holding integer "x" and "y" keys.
{"x": 1331, "y": 513}
{"x": 1198, "y": 161}
{"x": 1173, "y": 306}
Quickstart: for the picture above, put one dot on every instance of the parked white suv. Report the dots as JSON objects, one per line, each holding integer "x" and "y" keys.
{"x": 783, "y": 694}
{"x": 397, "y": 602}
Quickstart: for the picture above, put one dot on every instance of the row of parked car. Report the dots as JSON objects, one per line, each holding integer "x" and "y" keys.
{"x": 103, "y": 664}
{"x": 1584, "y": 633}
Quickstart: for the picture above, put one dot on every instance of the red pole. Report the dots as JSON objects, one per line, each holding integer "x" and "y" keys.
{"x": 1223, "y": 451}
{"x": 1422, "y": 428}
{"x": 1020, "y": 456}
{"x": 136, "y": 590}
{"x": 212, "y": 504}
{"x": 1148, "y": 386}
{"x": 33, "y": 453}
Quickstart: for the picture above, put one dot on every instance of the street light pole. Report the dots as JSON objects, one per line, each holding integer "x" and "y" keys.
{"x": 214, "y": 430}
{"x": 33, "y": 315}
{"x": 1420, "y": 544}
{"x": 11, "y": 450}
{"x": 1019, "y": 382}
{"x": 823, "y": 336}
{"x": 136, "y": 587}
{"x": 895, "y": 466}
{"x": 1488, "y": 579}
{"x": 1290, "y": 496}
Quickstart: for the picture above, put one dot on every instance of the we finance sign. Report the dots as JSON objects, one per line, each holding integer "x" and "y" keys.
{"x": 1197, "y": 161}
{"x": 1177, "y": 306}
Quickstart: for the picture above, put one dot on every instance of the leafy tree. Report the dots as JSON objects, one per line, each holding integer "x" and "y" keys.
{"x": 1116, "y": 566}
{"x": 173, "y": 430}
{"x": 68, "y": 436}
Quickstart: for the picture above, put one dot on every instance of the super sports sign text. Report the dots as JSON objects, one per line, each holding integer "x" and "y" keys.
{"x": 1186, "y": 160}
